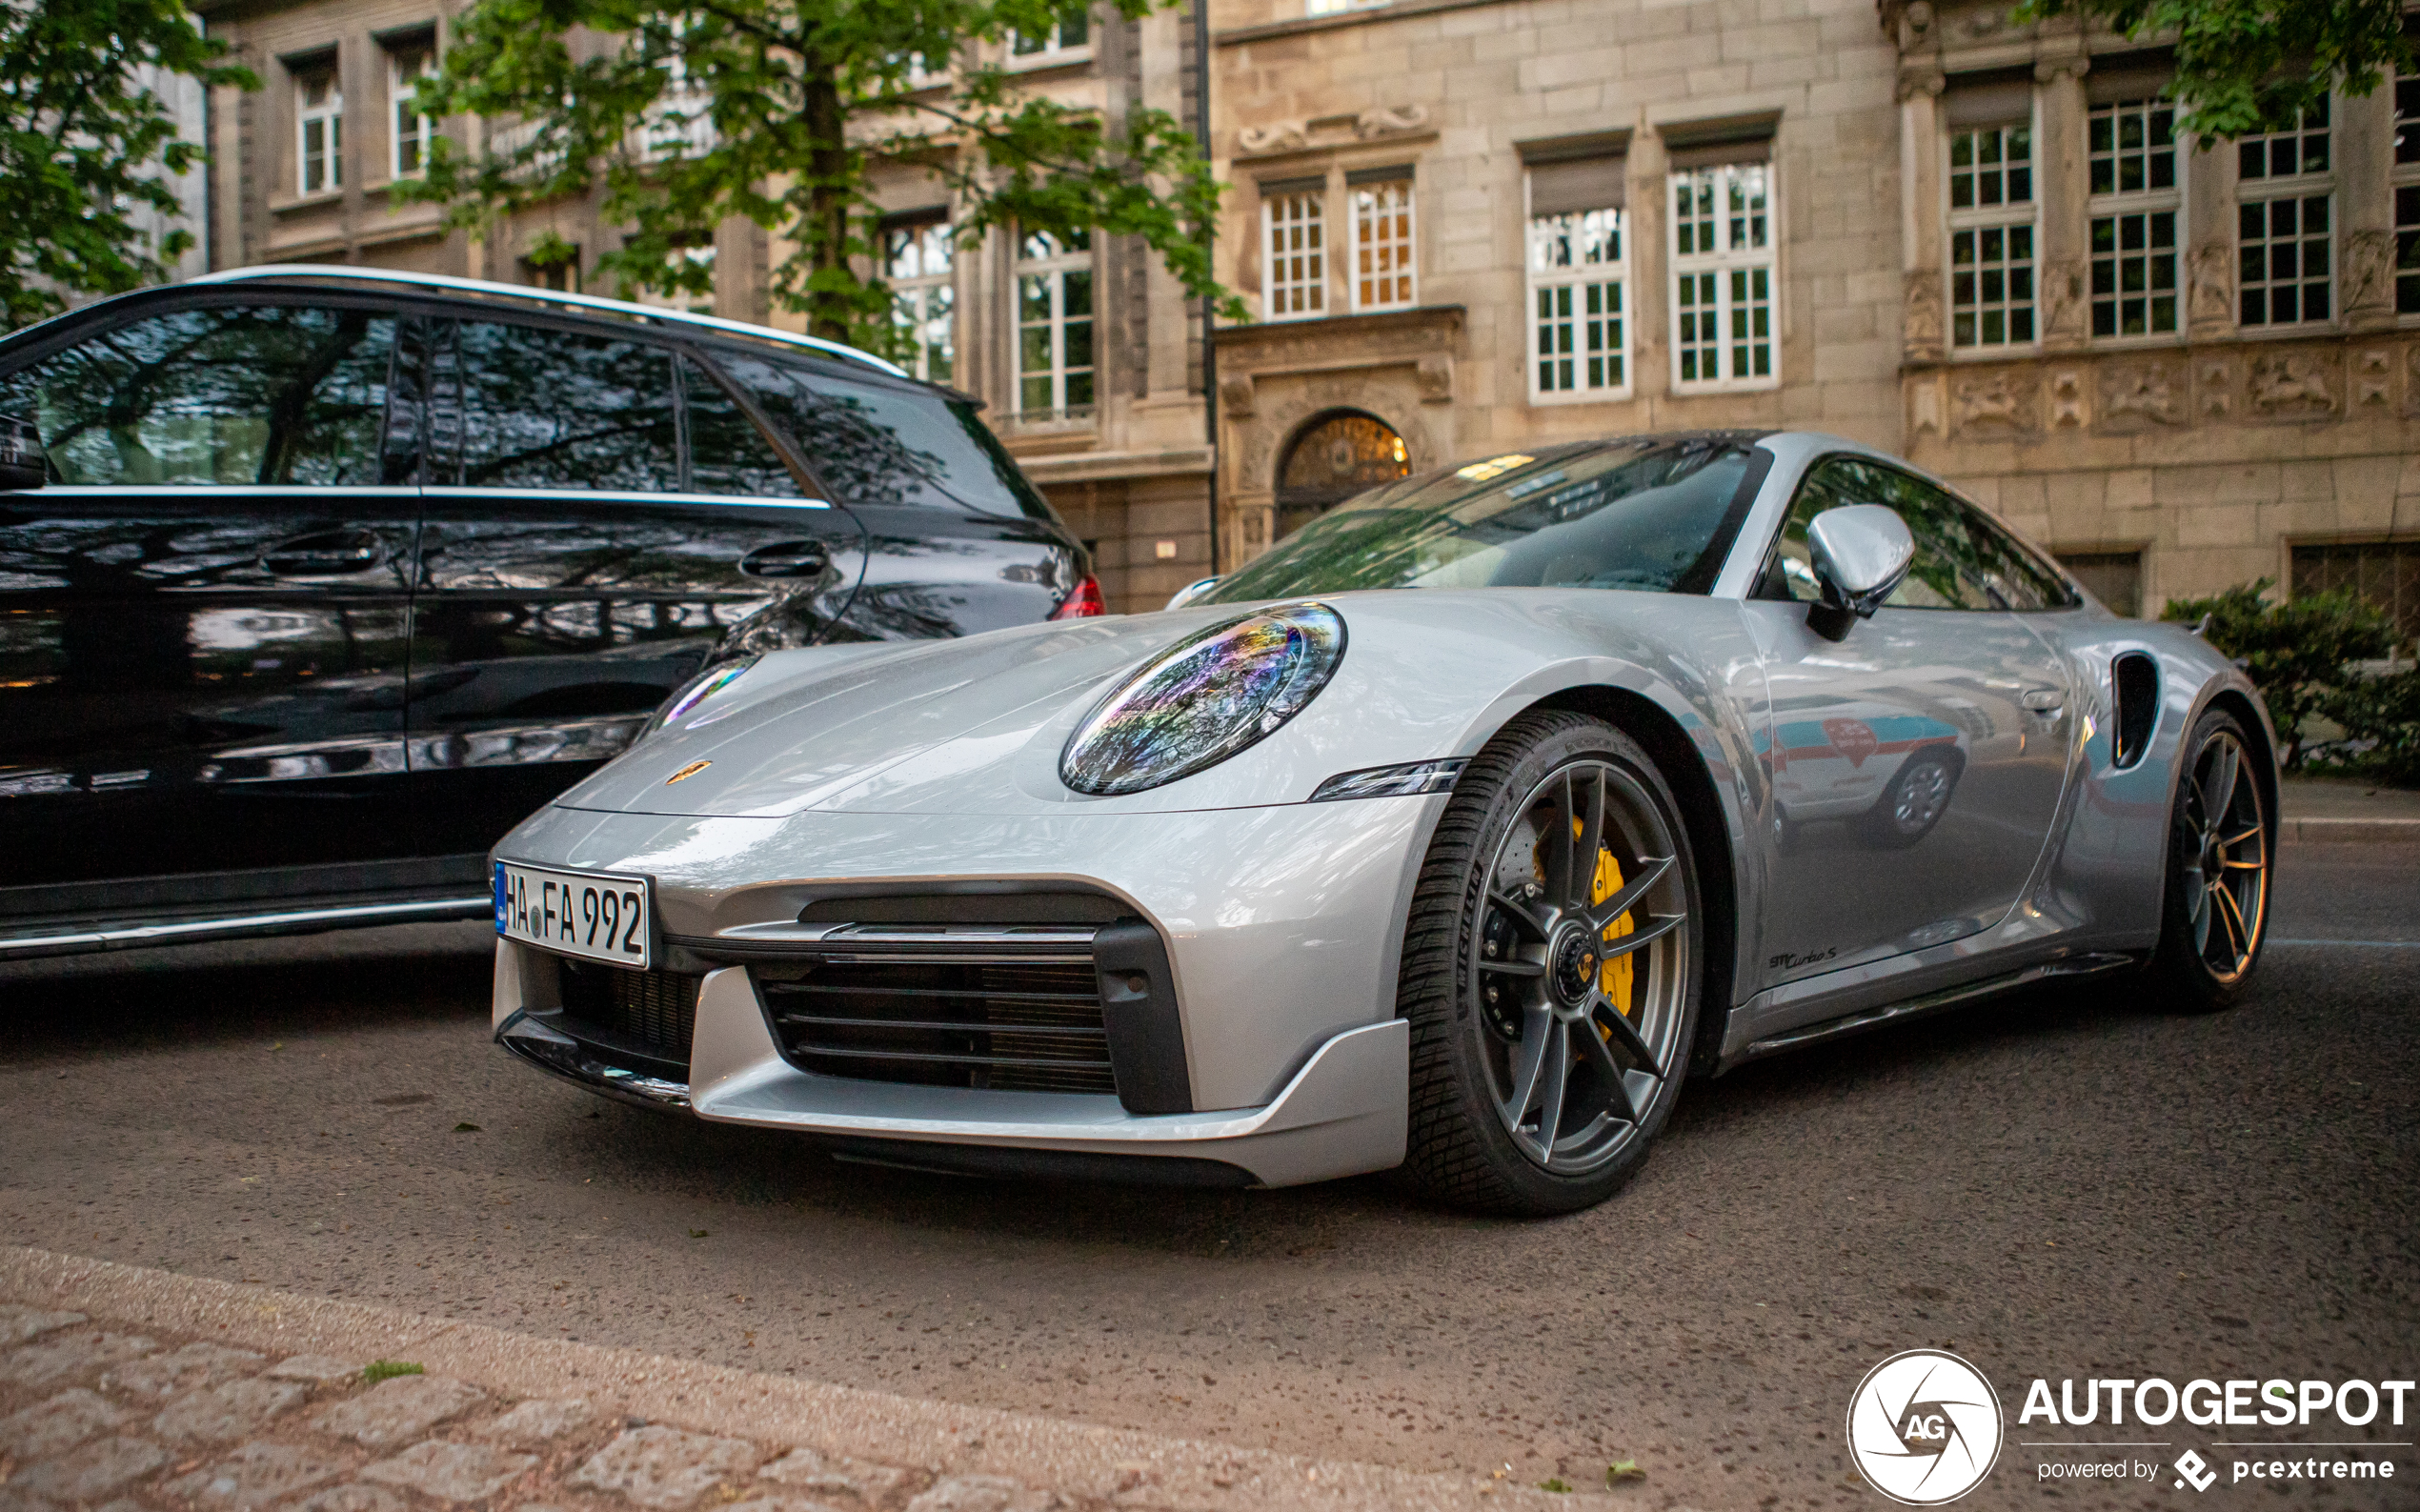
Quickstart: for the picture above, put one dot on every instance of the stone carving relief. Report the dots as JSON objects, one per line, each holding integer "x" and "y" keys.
{"x": 1998, "y": 402}
{"x": 1923, "y": 410}
{"x": 1235, "y": 395}
{"x": 2369, "y": 273}
{"x": 1331, "y": 131}
{"x": 2066, "y": 398}
{"x": 2373, "y": 377}
{"x": 2214, "y": 388}
{"x": 2209, "y": 287}
{"x": 1923, "y": 315}
{"x": 2063, "y": 309}
{"x": 1436, "y": 378}
{"x": 2136, "y": 395}
{"x": 2291, "y": 386}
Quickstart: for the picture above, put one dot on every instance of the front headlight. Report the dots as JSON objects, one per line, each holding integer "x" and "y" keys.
{"x": 1204, "y": 699}
{"x": 686, "y": 698}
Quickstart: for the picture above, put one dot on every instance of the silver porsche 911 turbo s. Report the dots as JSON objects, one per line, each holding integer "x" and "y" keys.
{"x": 1452, "y": 834}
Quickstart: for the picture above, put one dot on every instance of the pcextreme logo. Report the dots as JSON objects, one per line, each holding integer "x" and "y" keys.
{"x": 1923, "y": 1427}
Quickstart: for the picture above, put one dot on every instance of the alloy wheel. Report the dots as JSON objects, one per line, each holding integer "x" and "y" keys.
{"x": 1581, "y": 967}
{"x": 2226, "y": 874}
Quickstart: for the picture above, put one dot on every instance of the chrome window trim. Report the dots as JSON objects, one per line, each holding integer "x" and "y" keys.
{"x": 449, "y": 491}
{"x": 540, "y": 296}
{"x": 208, "y": 491}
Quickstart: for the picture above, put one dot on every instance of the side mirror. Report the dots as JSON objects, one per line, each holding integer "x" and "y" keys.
{"x": 1861, "y": 554}
{"x": 1189, "y": 593}
{"x": 22, "y": 464}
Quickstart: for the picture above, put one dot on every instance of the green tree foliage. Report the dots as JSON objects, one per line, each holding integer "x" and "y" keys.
{"x": 778, "y": 111}
{"x": 84, "y": 145}
{"x": 2382, "y": 717}
{"x": 2247, "y": 65}
{"x": 2297, "y": 653}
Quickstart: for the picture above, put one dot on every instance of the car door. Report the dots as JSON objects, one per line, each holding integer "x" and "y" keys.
{"x": 957, "y": 541}
{"x": 602, "y": 514}
{"x": 203, "y": 614}
{"x": 1917, "y": 764}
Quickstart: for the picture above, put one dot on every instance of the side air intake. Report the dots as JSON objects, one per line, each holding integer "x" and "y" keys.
{"x": 2135, "y": 678}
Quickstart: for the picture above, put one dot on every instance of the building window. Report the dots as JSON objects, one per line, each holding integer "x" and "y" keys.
{"x": 1991, "y": 295}
{"x": 2135, "y": 209}
{"x": 1055, "y": 328}
{"x": 1723, "y": 276}
{"x": 560, "y": 272}
{"x": 2114, "y": 577}
{"x": 2406, "y": 176}
{"x": 918, "y": 263}
{"x": 1294, "y": 248}
{"x": 1382, "y": 255}
{"x": 685, "y": 299}
{"x": 2285, "y": 226}
{"x": 409, "y": 132}
{"x": 1579, "y": 326}
{"x": 319, "y": 128}
{"x": 2384, "y": 572}
{"x": 1074, "y": 34}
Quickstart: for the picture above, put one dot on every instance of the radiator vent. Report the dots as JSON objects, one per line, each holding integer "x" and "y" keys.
{"x": 2135, "y": 679}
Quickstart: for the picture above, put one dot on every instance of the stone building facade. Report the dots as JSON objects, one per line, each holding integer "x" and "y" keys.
{"x": 1464, "y": 227}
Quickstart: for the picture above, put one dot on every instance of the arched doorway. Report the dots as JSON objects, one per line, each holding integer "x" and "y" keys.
{"x": 1335, "y": 455}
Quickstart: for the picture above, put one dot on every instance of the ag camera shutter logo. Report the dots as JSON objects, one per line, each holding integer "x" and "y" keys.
{"x": 1923, "y": 1427}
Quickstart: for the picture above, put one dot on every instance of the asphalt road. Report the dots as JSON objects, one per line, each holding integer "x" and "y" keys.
{"x": 2053, "y": 1186}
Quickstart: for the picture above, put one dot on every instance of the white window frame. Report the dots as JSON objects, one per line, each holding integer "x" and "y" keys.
{"x": 1305, "y": 297}
{"x": 329, "y": 115}
{"x": 1365, "y": 205}
{"x": 1557, "y": 267}
{"x": 1722, "y": 262}
{"x": 2119, "y": 203}
{"x": 2405, "y": 186}
{"x": 421, "y": 131}
{"x": 2297, "y": 186}
{"x": 929, "y": 248}
{"x": 1053, "y": 266}
{"x": 1978, "y": 221}
{"x": 1051, "y": 48}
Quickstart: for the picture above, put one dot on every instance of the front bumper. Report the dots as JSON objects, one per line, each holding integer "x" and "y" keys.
{"x": 1282, "y": 928}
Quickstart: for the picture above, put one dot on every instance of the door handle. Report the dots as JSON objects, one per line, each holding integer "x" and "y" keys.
{"x": 2044, "y": 700}
{"x": 787, "y": 559}
{"x": 325, "y": 554}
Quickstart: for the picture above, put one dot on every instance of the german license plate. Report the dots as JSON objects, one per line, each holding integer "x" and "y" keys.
{"x": 595, "y": 915}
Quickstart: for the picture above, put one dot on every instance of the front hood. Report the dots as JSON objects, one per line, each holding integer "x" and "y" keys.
{"x": 976, "y": 726}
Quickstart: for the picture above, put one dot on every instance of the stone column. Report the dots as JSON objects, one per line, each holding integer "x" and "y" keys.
{"x": 2364, "y": 143}
{"x": 1924, "y": 326}
{"x": 2062, "y": 191}
{"x": 2209, "y": 241}
{"x": 1648, "y": 199}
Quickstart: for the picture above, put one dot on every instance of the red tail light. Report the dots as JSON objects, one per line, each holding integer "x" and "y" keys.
{"x": 1083, "y": 602}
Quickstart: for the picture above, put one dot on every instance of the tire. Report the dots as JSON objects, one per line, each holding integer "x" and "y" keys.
{"x": 2214, "y": 905}
{"x": 1478, "y": 1134}
{"x": 1914, "y": 801}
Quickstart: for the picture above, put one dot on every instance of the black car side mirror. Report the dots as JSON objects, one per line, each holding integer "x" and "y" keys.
{"x": 22, "y": 464}
{"x": 1861, "y": 554}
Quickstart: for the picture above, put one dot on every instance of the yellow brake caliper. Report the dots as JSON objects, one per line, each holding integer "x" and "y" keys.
{"x": 1616, "y": 972}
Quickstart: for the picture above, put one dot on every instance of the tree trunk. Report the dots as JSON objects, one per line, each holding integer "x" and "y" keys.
{"x": 828, "y": 199}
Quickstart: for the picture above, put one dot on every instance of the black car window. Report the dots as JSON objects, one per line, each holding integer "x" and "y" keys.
{"x": 2011, "y": 572}
{"x": 877, "y": 444}
{"x": 727, "y": 453}
{"x": 1949, "y": 567}
{"x": 546, "y": 409}
{"x": 225, "y": 393}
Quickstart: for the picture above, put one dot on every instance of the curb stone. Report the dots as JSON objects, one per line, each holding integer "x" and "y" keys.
{"x": 547, "y": 1425}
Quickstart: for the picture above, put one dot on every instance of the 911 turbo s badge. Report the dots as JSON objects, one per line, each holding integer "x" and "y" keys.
{"x": 687, "y": 771}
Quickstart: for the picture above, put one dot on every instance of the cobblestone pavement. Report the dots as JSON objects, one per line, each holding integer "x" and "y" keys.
{"x": 103, "y": 1413}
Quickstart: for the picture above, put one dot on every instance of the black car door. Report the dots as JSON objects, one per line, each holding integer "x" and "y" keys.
{"x": 957, "y": 541}
{"x": 602, "y": 514}
{"x": 203, "y": 614}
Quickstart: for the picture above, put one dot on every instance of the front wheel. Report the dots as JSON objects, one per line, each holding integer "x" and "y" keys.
{"x": 2214, "y": 915}
{"x": 1551, "y": 967}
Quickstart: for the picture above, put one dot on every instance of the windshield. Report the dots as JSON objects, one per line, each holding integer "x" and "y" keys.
{"x": 1652, "y": 515}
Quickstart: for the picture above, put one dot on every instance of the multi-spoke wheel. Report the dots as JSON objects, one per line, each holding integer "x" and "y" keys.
{"x": 2216, "y": 911}
{"x": 1550, "y": 970}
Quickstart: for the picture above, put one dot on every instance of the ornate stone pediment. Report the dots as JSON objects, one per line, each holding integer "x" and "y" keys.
{"x": 1378, "y": 124}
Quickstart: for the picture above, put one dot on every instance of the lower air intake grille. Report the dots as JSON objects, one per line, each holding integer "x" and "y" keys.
{"x": 651, "y": 1015}
{"x": 1026, "y": 1026}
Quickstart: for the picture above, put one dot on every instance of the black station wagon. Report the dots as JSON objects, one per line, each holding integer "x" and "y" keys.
{"x": 322, "y": 577}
